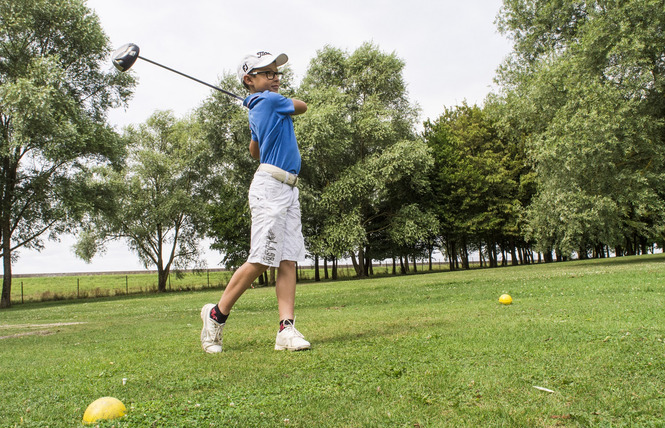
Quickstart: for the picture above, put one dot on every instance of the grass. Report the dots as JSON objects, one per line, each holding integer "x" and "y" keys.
{"x": 418, "y": 351}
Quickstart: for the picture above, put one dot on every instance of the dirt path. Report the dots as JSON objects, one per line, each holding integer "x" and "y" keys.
{"x": 35, "y": 333}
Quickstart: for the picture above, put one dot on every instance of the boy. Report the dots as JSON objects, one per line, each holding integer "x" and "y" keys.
{"x": 277, "y": 239}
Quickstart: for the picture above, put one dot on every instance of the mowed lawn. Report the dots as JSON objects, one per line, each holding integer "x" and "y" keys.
{"x": 429, "y": 350}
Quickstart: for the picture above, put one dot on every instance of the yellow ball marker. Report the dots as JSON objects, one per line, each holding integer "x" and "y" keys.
{"x": 104, "y": 408}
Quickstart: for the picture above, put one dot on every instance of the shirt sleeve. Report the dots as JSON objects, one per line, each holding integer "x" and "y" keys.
{"x": 281, "y": 104}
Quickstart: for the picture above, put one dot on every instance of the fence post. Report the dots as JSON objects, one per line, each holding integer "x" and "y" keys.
{"x": 208, "y": 272}
{"x": 21, "y": 291}
{"x": 77, "y": 288}
{"x": 127, "y": 284}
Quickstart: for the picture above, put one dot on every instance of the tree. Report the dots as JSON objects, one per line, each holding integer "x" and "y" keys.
{"x": 475, "y": 184}
{"x": 160, "y": 197}
{"x": 324, "y": 136}
{"x": 358, "y": 131}
{"x": 225, "y": 129}
{"x": 54, "y": 93}
{"x": 590, "y": 79}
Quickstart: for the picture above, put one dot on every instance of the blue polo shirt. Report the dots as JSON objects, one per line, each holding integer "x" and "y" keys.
{"x": 272, "y": 127}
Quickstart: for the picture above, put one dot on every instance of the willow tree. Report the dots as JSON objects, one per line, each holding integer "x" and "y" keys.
{"x": 55, "y": 89}
{"x": 159, "y": 197}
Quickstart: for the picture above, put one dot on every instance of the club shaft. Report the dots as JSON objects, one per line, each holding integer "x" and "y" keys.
{"x": 193, "y": 78}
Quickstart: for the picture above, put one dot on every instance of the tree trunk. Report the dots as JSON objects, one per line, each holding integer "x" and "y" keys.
{"x": 513, "y": 255}
{"x": 360, "y": 269}
{"x": 162, "y": 278}
{"x": 325, "y": 267}
{"x": 430, "y": 250}
{"x": 9, "y": 177}
{"x": 481, "y": 258}
{"x": 450, "y": 249}
{"x": 356, "y": 266}
{"x": 6, "y": 300}
{"x": 334, "y": 268}
{"x": 464, "y": 255}
{"x": 317, "y": 275}
{"x": 272, "y": 280}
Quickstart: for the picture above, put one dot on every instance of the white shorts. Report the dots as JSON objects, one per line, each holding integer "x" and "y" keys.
{"x": 276, "y": 225}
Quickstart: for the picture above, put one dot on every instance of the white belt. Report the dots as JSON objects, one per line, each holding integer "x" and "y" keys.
{"x": 279, "y": 174}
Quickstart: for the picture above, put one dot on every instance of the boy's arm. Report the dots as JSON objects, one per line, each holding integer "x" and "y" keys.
{"x": 299, "y": 106}
{"x": 254, "y": 150}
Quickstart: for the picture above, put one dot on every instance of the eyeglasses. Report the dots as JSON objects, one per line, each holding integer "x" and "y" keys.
{"x": 270, "y": 75}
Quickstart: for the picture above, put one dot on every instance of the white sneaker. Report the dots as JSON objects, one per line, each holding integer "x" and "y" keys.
{"x": 211, "y": 334}
{"x": 291, "y": 339}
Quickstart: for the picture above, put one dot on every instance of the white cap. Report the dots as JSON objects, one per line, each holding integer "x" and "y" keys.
{"x": 259, "y": 60}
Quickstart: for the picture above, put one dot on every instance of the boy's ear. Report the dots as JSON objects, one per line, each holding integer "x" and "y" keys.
{"x": 247, "y": 80}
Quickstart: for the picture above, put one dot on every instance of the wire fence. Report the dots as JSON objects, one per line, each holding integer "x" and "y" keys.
{"x": 47, "y": 287}
{"x": 31, "y": 288}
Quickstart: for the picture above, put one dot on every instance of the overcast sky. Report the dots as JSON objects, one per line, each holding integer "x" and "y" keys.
{"x": 451, "y": 50}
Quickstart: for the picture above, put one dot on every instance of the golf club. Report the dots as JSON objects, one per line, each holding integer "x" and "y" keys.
{"x": 126, "y": 56}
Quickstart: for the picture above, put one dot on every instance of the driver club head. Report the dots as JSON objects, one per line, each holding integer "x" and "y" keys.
{"x": 125, "y": 56}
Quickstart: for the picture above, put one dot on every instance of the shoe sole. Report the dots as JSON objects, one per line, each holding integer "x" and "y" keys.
{"x": 284, "y": 348}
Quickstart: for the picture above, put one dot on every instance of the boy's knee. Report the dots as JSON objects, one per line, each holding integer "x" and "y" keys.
{"x": 287, "y": 264}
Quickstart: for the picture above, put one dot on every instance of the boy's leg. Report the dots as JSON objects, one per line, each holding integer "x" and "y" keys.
{"x": 211, "y": 334}
{"x": 241, "y": 280}
{"x": 285, "y": 288}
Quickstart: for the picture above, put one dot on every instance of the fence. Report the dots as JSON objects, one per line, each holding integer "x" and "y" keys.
{"x": 27, "y": 288}
{"x": 32, "y": 288}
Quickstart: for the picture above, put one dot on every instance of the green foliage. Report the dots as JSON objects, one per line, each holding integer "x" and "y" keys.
{"x": 475, "y": 181}
{"x": 585, "y": 90}
{"x": 159, "y": 205}
{"x": 432, "y": 350}
{"x": 361, "y": 159}
{"x": 225, "y": 129}
{"x": 54, "y": 94}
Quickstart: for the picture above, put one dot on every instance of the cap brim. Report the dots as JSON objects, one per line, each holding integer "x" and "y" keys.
{"x": 281, "y": 59}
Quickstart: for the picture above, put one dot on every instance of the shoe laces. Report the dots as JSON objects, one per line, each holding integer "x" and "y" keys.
{"x": 291, "y": 327}
{"x": 217, "y": 330}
